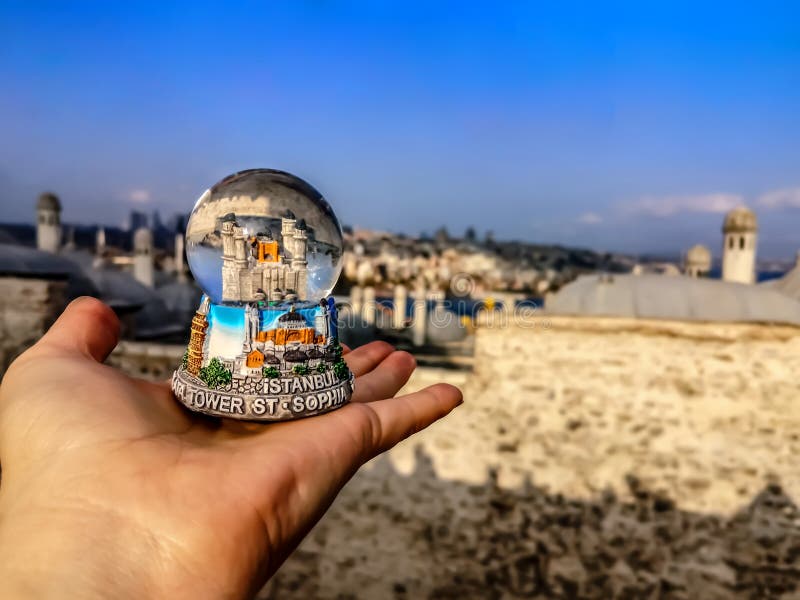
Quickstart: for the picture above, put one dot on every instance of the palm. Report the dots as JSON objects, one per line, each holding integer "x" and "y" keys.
{"x": 226, "y": 501}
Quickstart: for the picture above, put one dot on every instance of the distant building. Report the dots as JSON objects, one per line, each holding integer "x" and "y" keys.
{"x": 48, "y": 223}
{"x": 698, "y": 261}
{"x": 261, "y": 268}
{"x": 672, "y": 298}
{"x": 739, "y": 231}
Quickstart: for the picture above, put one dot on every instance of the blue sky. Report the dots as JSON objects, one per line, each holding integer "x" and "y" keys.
{"x": 620, "y": 126}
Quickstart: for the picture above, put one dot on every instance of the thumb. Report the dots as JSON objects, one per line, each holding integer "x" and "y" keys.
{"x": 86, "y": 326}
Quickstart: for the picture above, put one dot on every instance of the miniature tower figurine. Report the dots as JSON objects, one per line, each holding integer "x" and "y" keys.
{"x": 197, "y": 338}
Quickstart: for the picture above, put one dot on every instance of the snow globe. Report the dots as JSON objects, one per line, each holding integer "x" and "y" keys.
{"x": 266, "y": 249}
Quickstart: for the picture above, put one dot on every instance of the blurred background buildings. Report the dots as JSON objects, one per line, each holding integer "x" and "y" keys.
{"x": 585, "y": 217}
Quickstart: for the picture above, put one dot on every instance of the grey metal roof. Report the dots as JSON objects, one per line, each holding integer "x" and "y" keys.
{"x": 119, "y": 289}
{"x": 155, "y": 320}
{"x": 22, "y": 261}
{"x": 181, "y": 297}
{"x": 672, "y": 297}
{"x": 788, "y": 285}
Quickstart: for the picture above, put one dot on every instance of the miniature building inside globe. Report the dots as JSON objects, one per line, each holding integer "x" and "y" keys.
{"x": 267, "y": 249}
{"x": 253, "y": 268}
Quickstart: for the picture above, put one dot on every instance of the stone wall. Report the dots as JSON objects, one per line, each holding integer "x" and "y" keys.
{"x": 593, "y": 458}
{"x": 27, "y": 308}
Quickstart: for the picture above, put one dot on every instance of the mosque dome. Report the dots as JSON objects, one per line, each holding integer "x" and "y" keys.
{"x": 291, "y": 316}
{"x": 295, "y": 356}
{"x": 740, "y": 220}
{"x": 699, "y": 255}
{"x": 48, "y": 201}
{"x": 673, "y": 298}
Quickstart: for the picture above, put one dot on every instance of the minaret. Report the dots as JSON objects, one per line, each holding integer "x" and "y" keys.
{"x": 70, "y": 243}
{"x": 100, "y": 241}
{"x": 251, "y": 327}
{"x": 197, "y": 337}
{"x": 48, "y": 223}
{"x": 180, "y": 266}
{"x": 322, "y": 320}
{"x": 287, "y": 235}
{"x": 230, "y": 275}
{"x": 739, "y": 238}
{"x": 143, "y": 256}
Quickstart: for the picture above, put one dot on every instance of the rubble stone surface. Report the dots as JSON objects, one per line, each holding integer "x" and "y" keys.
{"x": 593, "y": 458}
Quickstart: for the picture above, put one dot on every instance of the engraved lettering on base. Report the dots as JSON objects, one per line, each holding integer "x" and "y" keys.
{"x": 324, "y": 395}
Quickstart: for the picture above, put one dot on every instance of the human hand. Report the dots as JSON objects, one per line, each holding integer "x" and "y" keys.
{"x": 111, "y": 489}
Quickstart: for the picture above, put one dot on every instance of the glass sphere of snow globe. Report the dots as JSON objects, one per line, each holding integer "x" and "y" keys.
{"x": 263, "y": 235}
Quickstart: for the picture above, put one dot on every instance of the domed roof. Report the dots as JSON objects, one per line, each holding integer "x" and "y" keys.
{"x": 119, "y": 289}
{"x": 295, "y": 356}
{"x": 143, "y": 238}
{"x": 314, "y": 352}
{"x": 673, "y": 298}
{"x": 48, "y": 201}
{"x": 290, "y": 316}
{"x": 21, "y": 261}
{"x": 155, "y": 320}
{"x": 698, "y": 255}
{"x": 181, "y": 297}
{"x": 740, "y": 219}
